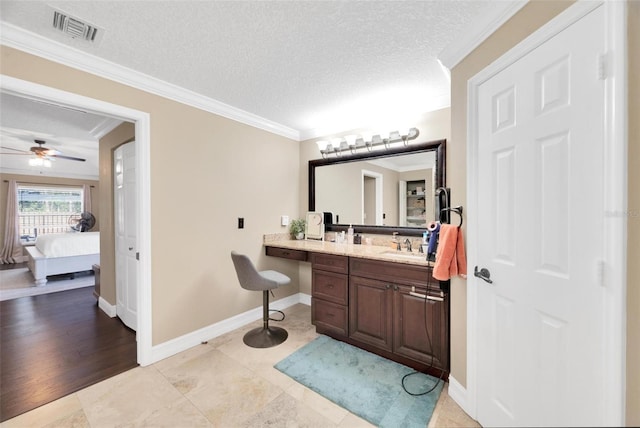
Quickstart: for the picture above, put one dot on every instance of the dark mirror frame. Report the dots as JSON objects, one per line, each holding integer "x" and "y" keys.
{"x": 439, "y": 146}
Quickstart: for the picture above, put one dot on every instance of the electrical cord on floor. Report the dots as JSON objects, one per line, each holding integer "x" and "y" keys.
{"x": 426, "y": 327}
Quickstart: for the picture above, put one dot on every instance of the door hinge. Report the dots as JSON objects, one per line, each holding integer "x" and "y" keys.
{"x": 137, "y": 255}
{"x": 602, "y": 66}
{"x": 601, "y": 269}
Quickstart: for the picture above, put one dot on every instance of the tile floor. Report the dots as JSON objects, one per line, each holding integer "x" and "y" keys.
{"x": 222, "y": 383}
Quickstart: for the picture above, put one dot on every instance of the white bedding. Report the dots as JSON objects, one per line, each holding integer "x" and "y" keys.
{"x": 69, "y": 244}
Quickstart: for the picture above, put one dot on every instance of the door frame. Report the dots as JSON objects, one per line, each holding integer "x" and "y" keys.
{"x": 142, "y": 120}
{"x": 613, "y": 269}
{"x": 378, "y": 202}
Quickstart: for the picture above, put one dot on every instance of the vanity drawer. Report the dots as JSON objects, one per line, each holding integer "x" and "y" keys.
{"x": 330, "y": 262}
{"x": 329, "y": 316}
{"x": 397, "y": 273}
{"x": 286, "y": 253}
{"x": 330, "y": 286}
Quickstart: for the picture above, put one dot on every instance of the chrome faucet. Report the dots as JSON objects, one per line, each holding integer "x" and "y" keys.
{"x": 407, "y": 242}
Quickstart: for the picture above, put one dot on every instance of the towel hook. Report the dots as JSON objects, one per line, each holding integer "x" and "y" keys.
{"x": 458, "y": 210}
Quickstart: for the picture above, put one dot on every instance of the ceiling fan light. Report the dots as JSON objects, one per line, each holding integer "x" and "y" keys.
{"x": 40, "y": 162}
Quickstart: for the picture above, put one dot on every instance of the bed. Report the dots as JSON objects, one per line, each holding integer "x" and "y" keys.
{"x": 60, "y": 253}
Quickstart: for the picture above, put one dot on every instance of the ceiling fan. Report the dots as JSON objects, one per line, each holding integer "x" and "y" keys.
{"x": 42, "y": 152}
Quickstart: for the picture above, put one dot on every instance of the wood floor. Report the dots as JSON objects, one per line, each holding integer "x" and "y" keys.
{"x": 55, "y": 344}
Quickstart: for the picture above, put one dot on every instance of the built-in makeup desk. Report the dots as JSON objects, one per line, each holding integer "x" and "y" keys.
{"x": 376, "y": 298}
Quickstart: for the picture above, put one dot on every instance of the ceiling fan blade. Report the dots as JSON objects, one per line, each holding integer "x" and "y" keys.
{"x": 67, "y": 157}
{"x": 16, "y": 154}
{"x": 23, "y": 152}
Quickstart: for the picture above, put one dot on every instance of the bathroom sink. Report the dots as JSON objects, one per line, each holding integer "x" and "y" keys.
{"x": 405, "y": 255}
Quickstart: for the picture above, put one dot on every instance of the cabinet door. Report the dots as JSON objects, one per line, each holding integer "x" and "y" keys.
{"x": 420, "y": 328}
{"x": 370, "y": 310}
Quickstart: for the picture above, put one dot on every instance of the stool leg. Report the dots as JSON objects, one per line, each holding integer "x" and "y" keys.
{"x": 265, "y": 336}
{"x": 265, "y": 309}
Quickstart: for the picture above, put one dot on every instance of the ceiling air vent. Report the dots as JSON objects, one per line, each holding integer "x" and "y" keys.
{"x": 74, "y": 27}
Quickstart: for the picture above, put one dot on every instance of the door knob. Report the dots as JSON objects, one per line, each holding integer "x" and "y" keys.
{"x": 130, "y": 248}
{"x": 483, "y": 274}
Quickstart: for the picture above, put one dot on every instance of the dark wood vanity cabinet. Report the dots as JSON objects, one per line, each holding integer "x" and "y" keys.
{"x": 369, "y": 304}
{"x": 286, "y": 253}
{"x": 384, "y": 314}
{"x": 330, "y": 293}
{"x": 420, "y": 327}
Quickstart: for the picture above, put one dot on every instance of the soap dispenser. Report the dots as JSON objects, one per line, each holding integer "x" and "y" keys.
{"x": 350, "y": 235}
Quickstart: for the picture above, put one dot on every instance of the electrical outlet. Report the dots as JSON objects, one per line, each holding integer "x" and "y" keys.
{"x": 240, "y": 222}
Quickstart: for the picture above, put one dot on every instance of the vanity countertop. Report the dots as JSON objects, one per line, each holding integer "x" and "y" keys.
{"x": 374, "y": 252}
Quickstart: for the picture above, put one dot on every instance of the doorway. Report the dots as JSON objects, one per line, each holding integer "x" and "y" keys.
{"x": 141, "y": 119}
{"x": 372, "y": 211}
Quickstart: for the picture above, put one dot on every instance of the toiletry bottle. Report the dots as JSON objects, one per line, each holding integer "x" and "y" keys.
{"x": 350, "y": 235}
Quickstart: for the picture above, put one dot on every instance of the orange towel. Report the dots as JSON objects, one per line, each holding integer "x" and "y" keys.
{"x": 450, "y": 256}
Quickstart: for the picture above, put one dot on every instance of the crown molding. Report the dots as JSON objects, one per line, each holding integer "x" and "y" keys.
{"x": 43, "y": 172}
{"x": 34, "y": 44}
{"x": 107, "y": 125}
{"x": 478, "y": 32}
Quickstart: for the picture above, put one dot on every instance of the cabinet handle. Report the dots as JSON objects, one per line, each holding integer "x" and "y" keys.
{"x": 395, "y": 287}
{"x": 388, "y": 286}
{"x": 329, "y": 285}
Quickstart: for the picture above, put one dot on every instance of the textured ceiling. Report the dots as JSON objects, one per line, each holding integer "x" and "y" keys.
{"x": 313, "y": 66}
{"x": 73, "y": 132}
{"x": 316, "y": 67}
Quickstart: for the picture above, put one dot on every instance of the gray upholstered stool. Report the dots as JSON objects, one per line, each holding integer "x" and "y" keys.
{"x": 250, "y": 279}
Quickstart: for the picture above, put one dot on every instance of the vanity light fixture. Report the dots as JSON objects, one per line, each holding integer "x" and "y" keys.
{"x": 40, "y": 162}
{"x": 353, "y": 143}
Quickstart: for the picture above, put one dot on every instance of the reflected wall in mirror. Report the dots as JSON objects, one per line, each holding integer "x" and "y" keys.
{"x": 379, "y": 191}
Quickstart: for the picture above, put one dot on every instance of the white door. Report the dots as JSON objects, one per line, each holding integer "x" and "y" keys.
{"x": 540, "y": 341}
{"x": 126, "y": 243}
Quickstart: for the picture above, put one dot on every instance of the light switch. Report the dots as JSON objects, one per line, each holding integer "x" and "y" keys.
{"x": 284, "y": 220}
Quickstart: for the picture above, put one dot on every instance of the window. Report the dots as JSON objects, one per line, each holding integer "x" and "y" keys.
{"x": 46, "y": 209}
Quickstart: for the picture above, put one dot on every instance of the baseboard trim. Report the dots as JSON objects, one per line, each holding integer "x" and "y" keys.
{"x": 458, "y": 393}
{"x": 107, "y": 307}
{"x": 182, "y": 343}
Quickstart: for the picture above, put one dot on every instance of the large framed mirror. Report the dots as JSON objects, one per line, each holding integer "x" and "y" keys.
{"x": 382, "y": 191}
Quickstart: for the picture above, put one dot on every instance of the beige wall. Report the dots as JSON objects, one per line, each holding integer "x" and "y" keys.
{"x": 206, "y": 171}
{"x": 40, "y": 179}
{"x": 120, "y": 135}
{"x": 633, "y": 238}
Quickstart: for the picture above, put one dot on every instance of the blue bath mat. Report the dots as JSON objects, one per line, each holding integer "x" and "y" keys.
{"x": 363, "y": 383}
